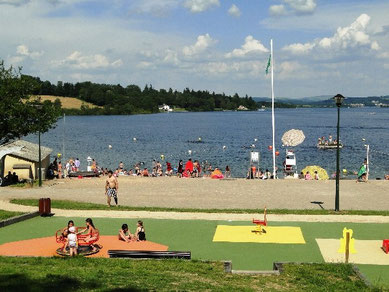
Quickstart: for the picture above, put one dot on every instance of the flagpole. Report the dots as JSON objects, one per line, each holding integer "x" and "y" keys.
{"x": 272, "y": 108}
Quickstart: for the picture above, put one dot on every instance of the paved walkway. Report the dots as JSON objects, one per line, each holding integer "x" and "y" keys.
{"x": 6, "y": 205}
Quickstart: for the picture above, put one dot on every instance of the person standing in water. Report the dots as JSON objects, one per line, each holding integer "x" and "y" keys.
{"x": 111, "y": 188}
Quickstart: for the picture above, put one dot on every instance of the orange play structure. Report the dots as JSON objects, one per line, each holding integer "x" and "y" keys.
{"x": 47, "y": 247}
{"x": 59, "y": 238}
{"x": 259, "y": 223}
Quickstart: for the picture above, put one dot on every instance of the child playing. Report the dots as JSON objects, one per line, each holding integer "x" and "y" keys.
{"x": 123, "y": 234}
{"x": 72, "y": 241}
{"x": 140, "y": 234}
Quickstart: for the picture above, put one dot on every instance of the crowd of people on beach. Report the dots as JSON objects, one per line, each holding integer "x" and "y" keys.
{"x": 73, "y": 237}
{"x": 189, "y": 169}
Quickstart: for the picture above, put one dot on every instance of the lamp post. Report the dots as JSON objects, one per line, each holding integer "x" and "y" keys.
{"x": 39, "y": 107}
{"x": 338, "y": 101}
{"x": 40, "y": 159}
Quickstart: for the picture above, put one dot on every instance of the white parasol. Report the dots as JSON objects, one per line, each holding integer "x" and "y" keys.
{"x": 293, "y": 138}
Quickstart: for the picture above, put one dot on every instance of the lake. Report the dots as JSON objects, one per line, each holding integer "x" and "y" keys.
{"x": 173, "y": 134}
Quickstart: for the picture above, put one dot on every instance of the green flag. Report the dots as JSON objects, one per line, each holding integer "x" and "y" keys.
{"x": 268, "y": 65}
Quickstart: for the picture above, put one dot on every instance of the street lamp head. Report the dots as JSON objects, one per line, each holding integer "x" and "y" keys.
{"x": 338, "y": 99}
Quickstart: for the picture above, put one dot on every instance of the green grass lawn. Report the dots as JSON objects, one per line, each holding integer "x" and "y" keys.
{"x": 8, "y": 214}
{"x": 70, "y": 274}
{"x": 73, "y": 205}
{"x": 196, "y": 236}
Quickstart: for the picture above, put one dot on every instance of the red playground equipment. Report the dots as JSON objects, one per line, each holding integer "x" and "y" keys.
{"x": 85, "y": 247}
{"x": 385, "y": 245}
{"x": 260, "y": 223}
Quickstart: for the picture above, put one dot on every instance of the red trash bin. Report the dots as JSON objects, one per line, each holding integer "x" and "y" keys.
{"x": 45, "y": 206}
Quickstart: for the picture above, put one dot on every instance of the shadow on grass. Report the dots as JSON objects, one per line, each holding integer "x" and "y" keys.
{"x": 57, "y": 283}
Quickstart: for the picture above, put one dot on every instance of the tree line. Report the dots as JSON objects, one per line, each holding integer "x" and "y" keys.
{"x": 119, "y": 100}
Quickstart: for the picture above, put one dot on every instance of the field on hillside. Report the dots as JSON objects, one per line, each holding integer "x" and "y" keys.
{"x": 68, "y": 102}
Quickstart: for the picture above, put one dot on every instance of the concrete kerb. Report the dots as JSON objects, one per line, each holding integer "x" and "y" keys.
{"x": 6, "y": 205}
{"x": 19, "y": 218}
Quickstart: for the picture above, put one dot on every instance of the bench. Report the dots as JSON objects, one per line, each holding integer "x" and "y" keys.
{"x": 139, "y": 254}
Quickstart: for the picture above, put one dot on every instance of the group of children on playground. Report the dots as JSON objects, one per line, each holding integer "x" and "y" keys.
{"x": 70, "y": 234}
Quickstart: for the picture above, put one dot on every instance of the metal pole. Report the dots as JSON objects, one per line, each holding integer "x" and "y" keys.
{"x": 40, "y": 160}
{"x": 272, "y": 108}
{"x": 337, "y": 163}
{"x": 367, "y": 161}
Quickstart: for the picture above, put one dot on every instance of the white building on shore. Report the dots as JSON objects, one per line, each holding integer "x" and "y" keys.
{"x": 165, "y": 108}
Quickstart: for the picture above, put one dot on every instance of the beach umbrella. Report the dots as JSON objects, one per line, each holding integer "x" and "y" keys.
{"x": 293, "y": 138}
{"x": 323, "y": 175}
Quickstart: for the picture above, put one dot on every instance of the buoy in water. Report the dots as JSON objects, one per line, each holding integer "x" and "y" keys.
{"x": 200, "y": 139}
{"x": 134, "y": 139}
{"x": 59, "y": 155}
{"x": 277, "y": 153}
{"x": 270, "y": 147}
{"x": 224, "y": 147}
{"x": 110, "y": 146}
{"x": 162, "y": 157}
{"x": 189, "y": 152}
{"x": 252, "y": 145}
{"x": 255, "y": 140}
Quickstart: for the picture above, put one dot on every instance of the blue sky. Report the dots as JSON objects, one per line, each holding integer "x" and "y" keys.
{"x": 321, "y": 46}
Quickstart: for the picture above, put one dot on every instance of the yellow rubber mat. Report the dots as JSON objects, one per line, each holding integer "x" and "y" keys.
{"x": 274, "y": 234}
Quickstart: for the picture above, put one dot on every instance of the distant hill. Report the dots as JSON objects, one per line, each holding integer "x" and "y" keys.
{"x": 379, "y": 101}
{"x": 327, "y": 101}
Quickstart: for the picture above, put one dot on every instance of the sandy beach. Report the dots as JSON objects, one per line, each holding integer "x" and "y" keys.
{"x": 207, "y": 193}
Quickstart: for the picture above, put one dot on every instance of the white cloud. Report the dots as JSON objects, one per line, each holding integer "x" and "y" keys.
{"x": 197, "y": 6}
{"x": 202, "y": 43}
{"x": 302, "y": 6}
{"x": 349, "y": 37}
{"x": 23, "y": 50}
{"x": 79, "y": 61}
{"x": 299, "y": 48}
{"x": 234, "y": 11}
{"x": 14, "y": 2}
{"x": 276, "y": 10}
{"x": 249, "y": 47}
{"x": 297, "y": 7}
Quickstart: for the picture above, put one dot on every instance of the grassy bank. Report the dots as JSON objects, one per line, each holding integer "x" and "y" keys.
{"x": 44, "y": 274}
{"x": 8, "y": 214}
{"x": 73, "y": 205}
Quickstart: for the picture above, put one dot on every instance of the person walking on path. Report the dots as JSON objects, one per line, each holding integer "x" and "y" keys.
{"x": 111, "y": 188}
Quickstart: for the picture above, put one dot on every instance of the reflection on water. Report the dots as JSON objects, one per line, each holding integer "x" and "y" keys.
{"x": 173, "y": 135}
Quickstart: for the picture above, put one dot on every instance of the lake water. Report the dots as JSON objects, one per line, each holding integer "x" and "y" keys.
{"x": 173, "y": 134}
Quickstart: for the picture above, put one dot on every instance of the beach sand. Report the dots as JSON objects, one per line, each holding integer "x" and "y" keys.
{"x": 208, "y": 193}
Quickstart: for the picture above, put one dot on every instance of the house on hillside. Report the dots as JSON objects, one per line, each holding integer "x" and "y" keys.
{"x": 242, "y": 108}
{"x": 22, "y": 157}
{"x": 165, "y": 108}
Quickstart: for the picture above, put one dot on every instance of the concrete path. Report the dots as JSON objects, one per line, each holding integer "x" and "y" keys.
{"x": 6, "y": 205}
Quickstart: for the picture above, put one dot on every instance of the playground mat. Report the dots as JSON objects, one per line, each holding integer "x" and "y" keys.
{"x": 47, "y": 246}
{"x": 367, "y": 252}
{"x": 274, "y": 234}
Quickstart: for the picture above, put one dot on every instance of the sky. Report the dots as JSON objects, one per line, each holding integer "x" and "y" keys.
{"x": 321, "y": 47}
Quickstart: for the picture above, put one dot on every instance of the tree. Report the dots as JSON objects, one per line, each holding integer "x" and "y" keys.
{"x": 20, "y": 116}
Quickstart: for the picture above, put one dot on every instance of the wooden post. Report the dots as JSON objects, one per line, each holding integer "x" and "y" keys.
{"x": 347, "y": 252}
